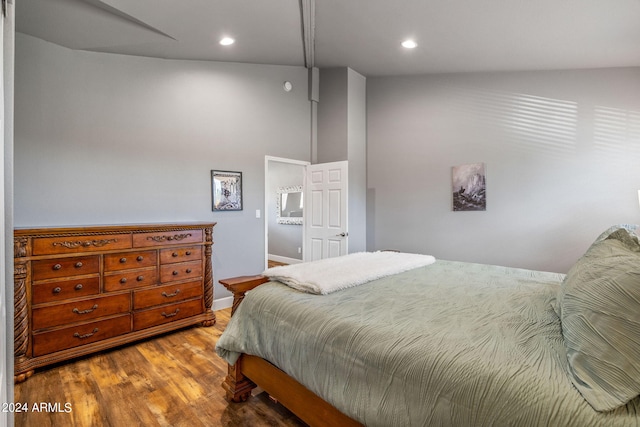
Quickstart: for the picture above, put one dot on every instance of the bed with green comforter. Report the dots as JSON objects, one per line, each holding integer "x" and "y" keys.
{"x": 448, "y": 344}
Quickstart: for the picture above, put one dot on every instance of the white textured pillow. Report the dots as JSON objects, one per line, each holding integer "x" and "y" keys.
{"x": 600, "y": 315}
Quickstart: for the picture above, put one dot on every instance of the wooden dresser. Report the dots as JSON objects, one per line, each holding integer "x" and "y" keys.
{"x": 85, "y": 289}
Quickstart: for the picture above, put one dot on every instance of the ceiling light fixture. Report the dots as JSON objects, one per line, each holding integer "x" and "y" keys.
{"x": 226, "y": 41}
{"x": 409, "y": 44}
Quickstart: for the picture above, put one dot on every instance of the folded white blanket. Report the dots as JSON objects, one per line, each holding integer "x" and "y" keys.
{"x": 332, "y": 274}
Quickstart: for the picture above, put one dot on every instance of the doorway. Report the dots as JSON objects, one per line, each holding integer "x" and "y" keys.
{"x": 284, "y": 233}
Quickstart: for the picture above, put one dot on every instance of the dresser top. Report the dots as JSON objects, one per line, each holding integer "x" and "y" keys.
{"x": 112, "y": 228}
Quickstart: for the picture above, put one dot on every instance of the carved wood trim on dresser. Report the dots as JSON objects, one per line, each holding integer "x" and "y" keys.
{"x": 79, "y": 290}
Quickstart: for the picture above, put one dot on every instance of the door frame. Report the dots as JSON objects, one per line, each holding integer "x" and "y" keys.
{"x": 268, "y": 159}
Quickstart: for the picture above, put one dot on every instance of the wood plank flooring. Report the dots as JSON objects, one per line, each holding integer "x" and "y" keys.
{"x": 271, "y": 264}
{"x": 171, "y": 380}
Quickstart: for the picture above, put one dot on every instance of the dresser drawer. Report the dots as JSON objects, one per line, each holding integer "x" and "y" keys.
{"x": 130, "y": 279}
{"x": 62, "y": 339}
{"x": 76, "y": 287}
{"x": 65, "y": 267}
{"x": 166, "y": 294}
{"x": 144, "y": 240}
{"x": 181, "y": 271}
{"x": 168, "y": 313}
{"x": 80, "y": 311}
{"x": 71, "y": 245}
{"x": 129, "y": 260}
{"x": 173, "y": 255}
{"x": 64, "y": 289}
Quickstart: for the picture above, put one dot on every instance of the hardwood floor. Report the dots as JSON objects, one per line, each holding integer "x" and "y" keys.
{"x": 272, "y": 263}
{"x": 171, "y": 380}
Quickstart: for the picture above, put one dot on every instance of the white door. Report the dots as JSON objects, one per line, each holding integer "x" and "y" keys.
{"x": 325, "y": 211}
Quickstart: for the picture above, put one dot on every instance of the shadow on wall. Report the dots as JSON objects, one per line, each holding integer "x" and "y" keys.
{"x": 550, "y": 125}
{"x": 535, "y": 122}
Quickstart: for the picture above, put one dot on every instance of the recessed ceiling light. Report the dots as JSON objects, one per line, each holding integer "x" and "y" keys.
{"x": 409, "y": 44}
{"x": 226, "y": 41}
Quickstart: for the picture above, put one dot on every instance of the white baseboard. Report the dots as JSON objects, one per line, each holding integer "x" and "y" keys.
{"x": 284, "y": 259}
{"x": 221, "y": 303}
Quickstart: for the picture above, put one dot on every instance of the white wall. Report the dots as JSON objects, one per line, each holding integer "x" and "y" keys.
{"x": 104, "y": 138}
{"x": 562, "y": 156}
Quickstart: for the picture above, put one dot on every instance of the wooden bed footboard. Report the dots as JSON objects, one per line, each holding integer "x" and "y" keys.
{"x": 239, "y": 286}
{"x": 237, "y": 386}
{"x": 251, "y": 371}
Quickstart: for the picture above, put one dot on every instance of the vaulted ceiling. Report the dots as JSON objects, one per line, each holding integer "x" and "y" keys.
{"x": 452, "y": 35}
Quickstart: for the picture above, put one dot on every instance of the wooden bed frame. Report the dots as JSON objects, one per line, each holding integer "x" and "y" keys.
{"x": 251, "y": 371}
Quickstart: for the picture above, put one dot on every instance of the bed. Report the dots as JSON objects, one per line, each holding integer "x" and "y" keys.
{"x": 448, "y": 343}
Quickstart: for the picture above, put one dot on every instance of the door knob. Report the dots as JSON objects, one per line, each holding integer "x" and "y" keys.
{"x": 342, "y": 234}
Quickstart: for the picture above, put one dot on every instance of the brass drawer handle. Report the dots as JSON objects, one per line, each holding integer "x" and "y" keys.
{"x": 171, "y": 314}
{"x": 78, "y": 286}
{"x": 57, "y": 290}
{"x": 166, "y": 295}
{"x": 177, "y": 237}
{"x": 86, "y": 243}
{"x": 123, "y": 280}
{"x": 89, "y": 310}
{"x": 90, "y": 334}
{"x": 57, "y": 267}
{"x": 140, "y": 278}
{"x": 140, "y": 258}
{"x": 78, "y": 264}
{"x": 123, "y": 260}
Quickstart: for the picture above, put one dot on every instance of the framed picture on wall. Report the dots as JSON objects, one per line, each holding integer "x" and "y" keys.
{"x": 226, "y": 190}
{"x": 469, "y": 187}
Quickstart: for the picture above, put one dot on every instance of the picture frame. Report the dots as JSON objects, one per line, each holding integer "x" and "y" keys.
{"x": 289, "y": 205}
{"x": 469, "y": 187}
{"x": 226, "y": 190}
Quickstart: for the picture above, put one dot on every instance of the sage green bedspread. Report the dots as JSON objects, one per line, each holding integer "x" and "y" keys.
{"x": 450, "y": 344}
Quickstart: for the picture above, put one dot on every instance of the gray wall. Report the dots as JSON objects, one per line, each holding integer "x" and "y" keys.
{"x": 333, "y": 125}
{"x": 342, "y": 135}
{"x": 357, "y": 156}
{"x": 561, "y": 150}
{"x": 103, "y": 138}
{"x": 284, "y": 239}
{"x": 6, "y": 178}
